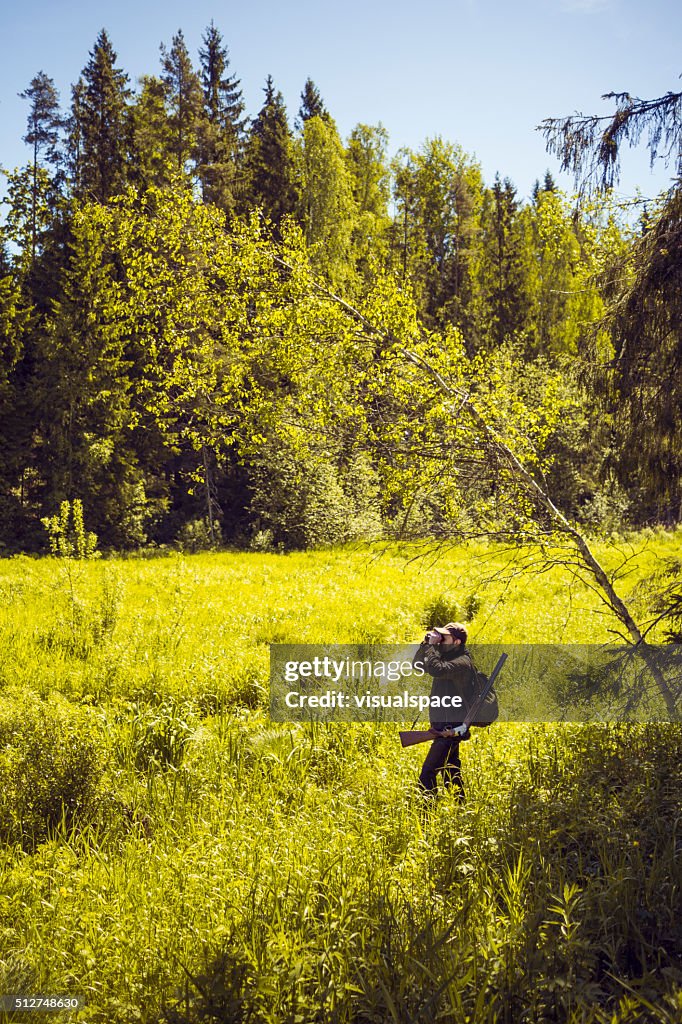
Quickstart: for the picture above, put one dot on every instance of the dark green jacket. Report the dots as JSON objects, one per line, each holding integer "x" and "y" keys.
{"x": 454, "y": 675}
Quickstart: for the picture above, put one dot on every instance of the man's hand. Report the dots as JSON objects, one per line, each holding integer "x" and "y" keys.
{"x": 433, "y": 637}
{"x": 456, "y": 732}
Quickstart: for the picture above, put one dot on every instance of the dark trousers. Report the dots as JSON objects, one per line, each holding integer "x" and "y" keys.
{"x": 443, "y": 756}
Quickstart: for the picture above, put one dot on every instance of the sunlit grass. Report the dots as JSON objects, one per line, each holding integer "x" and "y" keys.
{"x": 222, "y": 868}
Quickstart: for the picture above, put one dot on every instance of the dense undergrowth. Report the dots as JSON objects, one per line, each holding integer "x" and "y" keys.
{"x": 173, "y": 857}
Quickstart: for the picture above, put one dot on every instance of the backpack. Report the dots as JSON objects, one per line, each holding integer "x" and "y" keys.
{"x": 490, "y": 711}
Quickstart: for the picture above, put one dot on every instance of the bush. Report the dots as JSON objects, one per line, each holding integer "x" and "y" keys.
{"x": 300, "y": 503}
{"x": 51, "y": 766}
{"x": 197, "y": 535}
{"x": 441, "y": 609}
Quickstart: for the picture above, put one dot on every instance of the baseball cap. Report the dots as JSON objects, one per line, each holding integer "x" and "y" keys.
{"x": 455, "y": 629}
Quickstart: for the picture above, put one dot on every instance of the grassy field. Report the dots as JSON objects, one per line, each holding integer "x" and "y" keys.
{"x": 171, "y": 856}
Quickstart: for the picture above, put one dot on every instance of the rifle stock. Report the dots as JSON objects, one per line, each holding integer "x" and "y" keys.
{"x": 408, "y": 739}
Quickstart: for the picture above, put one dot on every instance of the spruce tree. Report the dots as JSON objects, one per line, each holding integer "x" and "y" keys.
{"x": 502, "y": 274}
{"x": 183, "y": 99}
{"x": 151, "y": 160}
{"x": 222, "y": 125}
{"x": 269, "y": 158}
{"x": 223, "y": 100}
{"x": 549, "y": 184}
{"x": 97, "y": 138}
{"x": 311, "y": 104}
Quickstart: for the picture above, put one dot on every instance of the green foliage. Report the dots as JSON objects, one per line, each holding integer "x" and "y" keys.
{"x": 437, "y": 192}
{"x": 67, "y": 534}
{"x": 52, "y": 761}
{"x": 370, "y": 183}
{"x": 325, "y": 201}
{"x": 198, "y": 535}
{"x": 97, "y": 136}
{"x": 266, "y": 849}
{"x": 33, "y": 201}
{"x": 305, "y": 504}
{"x": 183, "y": 96}
{"x": 269, "y": 159}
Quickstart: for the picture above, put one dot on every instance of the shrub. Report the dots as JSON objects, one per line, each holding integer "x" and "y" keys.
{"x": 51, "y": 765}
{"x": 441, "y": 609}
{"x": 199, "y": 535}
{"x": 308, "y": 502}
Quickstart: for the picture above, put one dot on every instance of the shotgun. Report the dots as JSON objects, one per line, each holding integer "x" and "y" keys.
{"x": 409, "y": 738}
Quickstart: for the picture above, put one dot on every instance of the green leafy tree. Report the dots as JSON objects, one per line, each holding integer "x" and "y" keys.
{"x": 553, "y": 260}
{"x": 437, "y": 193}
{"x": 370, "y": 185}
{"x": 33, "y": 204}
{"x": 325, "y": 201}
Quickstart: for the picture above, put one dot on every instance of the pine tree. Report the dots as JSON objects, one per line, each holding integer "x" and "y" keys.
{"x": 183, "y": 99}
{"x": 269, "y": 158}
{"x": 43, "y": 128}
{"x": 222, "y": 125}
{"x": 44, "y": 119}
{"x": 97, "y": 138}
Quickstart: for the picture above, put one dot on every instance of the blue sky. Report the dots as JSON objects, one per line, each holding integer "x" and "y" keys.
{"x": 482, "y": 73}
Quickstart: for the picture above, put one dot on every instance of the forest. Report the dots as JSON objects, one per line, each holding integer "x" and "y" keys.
{"x": 218, "y": 329}
{"x": 344, "y": 395}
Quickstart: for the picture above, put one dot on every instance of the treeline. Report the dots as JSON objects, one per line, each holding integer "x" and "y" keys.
{"x": 185, "y": 294}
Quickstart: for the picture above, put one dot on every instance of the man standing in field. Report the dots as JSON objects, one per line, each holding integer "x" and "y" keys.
{"x": 445, "y": 657}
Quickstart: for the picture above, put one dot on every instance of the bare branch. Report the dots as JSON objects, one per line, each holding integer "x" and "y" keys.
{"x": 588, "y": 146}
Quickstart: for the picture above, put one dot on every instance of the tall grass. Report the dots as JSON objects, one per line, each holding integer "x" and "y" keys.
{"x": 218, "y": 867}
